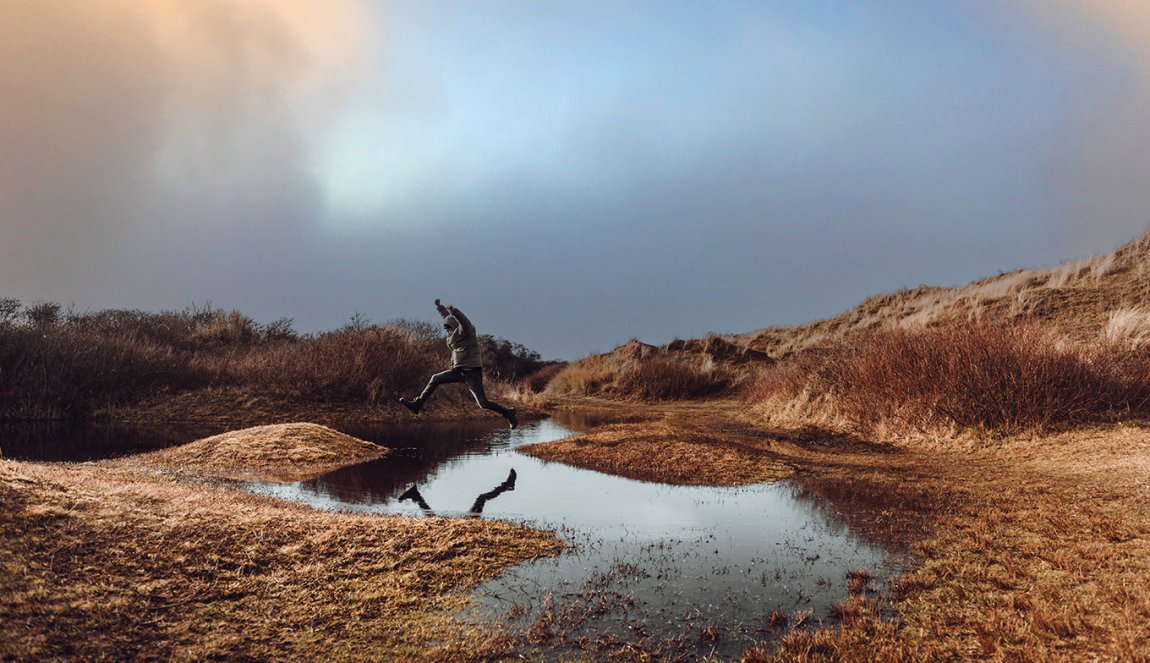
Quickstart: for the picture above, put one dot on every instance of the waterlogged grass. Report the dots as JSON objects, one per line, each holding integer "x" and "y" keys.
{"x": 104, "y": 563}
{"x": 1028, "y": 547}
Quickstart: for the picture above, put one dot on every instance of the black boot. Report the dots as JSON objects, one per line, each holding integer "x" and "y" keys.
{"x": 512, "y": 421}
{"x": 415, "y": 406}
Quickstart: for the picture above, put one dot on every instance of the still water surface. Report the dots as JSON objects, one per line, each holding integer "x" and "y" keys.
{"x": 696, "y": 568}
{"x": 700, "y": 566}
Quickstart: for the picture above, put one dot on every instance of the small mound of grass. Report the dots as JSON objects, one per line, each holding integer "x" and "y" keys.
{"x": 665, "y": 454}
{"x": 278, "y": 452}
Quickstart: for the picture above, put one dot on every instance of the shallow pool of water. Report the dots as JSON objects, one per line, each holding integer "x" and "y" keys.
{"x": 688, "y": 570}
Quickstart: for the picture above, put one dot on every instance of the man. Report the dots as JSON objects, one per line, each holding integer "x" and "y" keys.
{"x": 466, "y": 365}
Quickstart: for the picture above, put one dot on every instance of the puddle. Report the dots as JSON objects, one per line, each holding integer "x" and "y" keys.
{"x": 697, "y": 570}
{"x": 679, "y": 570}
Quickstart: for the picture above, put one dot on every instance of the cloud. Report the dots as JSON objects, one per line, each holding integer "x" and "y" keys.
{"x": 1110, "y": 163}
{"x": 118, "y": 113}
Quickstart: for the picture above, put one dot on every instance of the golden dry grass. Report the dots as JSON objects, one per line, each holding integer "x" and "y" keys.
{"x": 1042, "y": 554}
{"x": 1003, "y": 378}
{"x": 666, "y": 452}
{"x": 113, "y": 564}
{"x": 276, "y": 452}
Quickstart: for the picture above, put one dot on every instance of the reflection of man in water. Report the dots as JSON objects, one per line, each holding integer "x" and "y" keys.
{"x": 476, "y": 507}
{"x": 466, "y": 365}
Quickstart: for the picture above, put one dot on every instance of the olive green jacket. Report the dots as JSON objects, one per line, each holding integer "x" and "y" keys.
{"x": 461, "y": 339}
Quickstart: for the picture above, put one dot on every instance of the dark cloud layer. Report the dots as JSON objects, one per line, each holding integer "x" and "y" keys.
{"x": 162, "y": 153}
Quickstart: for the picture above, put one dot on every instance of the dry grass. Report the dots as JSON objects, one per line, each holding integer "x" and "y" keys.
{"x": 276, "y": 452}
{"x": 666, "y": 452}
{"x": 67, "y": 365}
{"x": 959, "y": 377}
{"x": 638, "y": 371}
{"x": 1044, "y": 555}
{"x": 110, "y": 564}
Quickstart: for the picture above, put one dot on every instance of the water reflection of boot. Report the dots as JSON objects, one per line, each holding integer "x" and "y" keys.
{"x": 508, "y": 484}
{"x": 413, "y": 494}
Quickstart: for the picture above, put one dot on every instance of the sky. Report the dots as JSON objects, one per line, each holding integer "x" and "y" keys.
{"x": 570, "y": 174}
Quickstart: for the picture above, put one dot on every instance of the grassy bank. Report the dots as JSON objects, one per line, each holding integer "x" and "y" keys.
{"x": 276, "y": 452}
{"x": 1043, "y": 553}
{"x": 121, "y": 564}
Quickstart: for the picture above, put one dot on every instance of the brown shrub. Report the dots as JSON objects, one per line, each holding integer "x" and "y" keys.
{"x": 375, "y": 364}
{"x": 55, "y": 372}
{"x": 538, "y": 381}
{"x": 649, "y": 378}
{"x": 966, "y": 376}
{"x": 57, "y": 365}
{"x": 662, "y": 379}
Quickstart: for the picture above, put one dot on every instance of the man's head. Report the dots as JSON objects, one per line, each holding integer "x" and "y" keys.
{"x": 450, "y": 323}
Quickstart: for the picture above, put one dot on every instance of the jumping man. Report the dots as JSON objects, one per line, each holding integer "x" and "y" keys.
{"x": 466, "y": 365}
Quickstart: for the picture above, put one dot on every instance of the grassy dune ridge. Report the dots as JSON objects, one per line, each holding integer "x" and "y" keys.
{"x": 637, "y": 371}
{"x": 1078, "y": 300}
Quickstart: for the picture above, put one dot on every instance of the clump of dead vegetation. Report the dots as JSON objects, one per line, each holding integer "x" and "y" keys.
{"x": 961, "y": 376}
{"x": 276, "y": 452}
{"x": 110, "y": 564}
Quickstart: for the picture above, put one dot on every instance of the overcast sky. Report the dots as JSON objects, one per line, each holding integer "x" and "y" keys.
{"x": 570, "y": 174}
